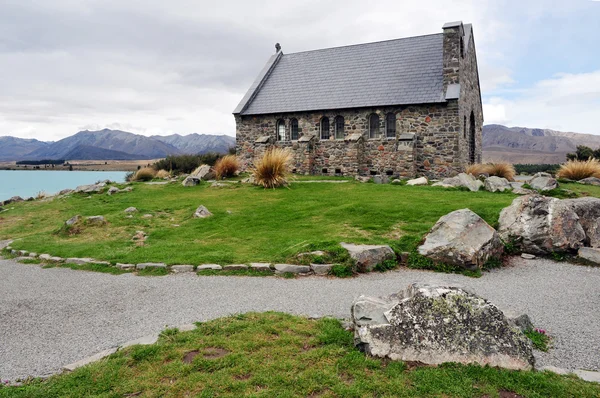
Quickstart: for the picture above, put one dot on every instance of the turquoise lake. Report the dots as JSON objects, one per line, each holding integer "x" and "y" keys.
{"x": 26, "y": 183}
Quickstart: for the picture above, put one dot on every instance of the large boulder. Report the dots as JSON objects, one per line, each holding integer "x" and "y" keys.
{"x": 366, "y": 257}
{"x": 461, "y": 180}
{"x": 541, "y": 225}
{"x": 437, "y": 324}
{"x": 462, "y": 238}
{"x": 495, "y": 184}
{"x": 588, "y": 211}
{"x": 202, "y": 172}
{"x": 590, "y": 254}
{"x": 543, "y": 182}
{"x": 590, "y": 181}
{"x": 190, "y": 181}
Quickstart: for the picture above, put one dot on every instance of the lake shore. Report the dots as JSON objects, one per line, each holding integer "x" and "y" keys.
{"x": 84, "y": 165}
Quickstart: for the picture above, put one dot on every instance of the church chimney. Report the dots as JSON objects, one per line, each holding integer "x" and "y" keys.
{"x": 453, "y": 47}
{"x": 277, "y": 47}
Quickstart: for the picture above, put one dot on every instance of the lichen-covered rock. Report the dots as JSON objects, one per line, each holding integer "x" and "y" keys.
{"x": 588, "y": 211}
{"x": 202, "y": 172}
{"x": 590, "y": 181}
{"x": 130, "y": 210}
{"x": 113, "y": 190}
{"x": 437, "y": 324}
{"x": 202, "y": 212}
{"x": 366, "y": 257}
{"x": 461, "y": 180}
{"x": 541, "y": 225}
{"x": 590, "y": 254}
{"x": 462, "y": 238}
{"x": 190, "y": 181}
{"x": 495, "y": 184}
{"x": 543, "y": 182}
{"x": 418, "y": 181}
{"x": 95, "y": 220}
{"x": 73, "y": 220}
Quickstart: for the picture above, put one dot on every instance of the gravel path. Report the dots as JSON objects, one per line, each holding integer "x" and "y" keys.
{"x": 52, "y": 317}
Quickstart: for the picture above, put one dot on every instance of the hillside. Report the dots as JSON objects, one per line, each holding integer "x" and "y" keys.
{"x": 112, "y": 145}
{"x": 198, "y": 143}
{"x": 531, "y": 145}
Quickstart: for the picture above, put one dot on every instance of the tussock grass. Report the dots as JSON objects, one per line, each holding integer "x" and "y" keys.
{"x": 579, "y": 169}
{"x": 280, "y": 355}
{"x": 503, "y": 170}
{"x": 162, "y": 174}
{"x": 144, "y": 174}
{"x": 226, "y": 166}
{"x": 273, "y": 169}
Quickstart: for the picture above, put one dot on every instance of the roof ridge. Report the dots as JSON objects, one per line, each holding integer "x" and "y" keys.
{"x": 363, "y": 44}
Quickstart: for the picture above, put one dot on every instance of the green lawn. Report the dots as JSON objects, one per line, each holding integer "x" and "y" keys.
{"x": 250, "y": 224}
{"x": 279, "y": 355}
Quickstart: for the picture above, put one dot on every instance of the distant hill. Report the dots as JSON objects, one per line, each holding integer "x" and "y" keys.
{"x": 12, "y": 148}
{"x": 531, "y": 145}
{"x": 112, "y": 145}
{"x": 198, "y": 143}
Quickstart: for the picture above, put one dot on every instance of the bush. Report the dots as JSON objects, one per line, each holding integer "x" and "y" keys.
{"x": 504, "y": 170}
{"x": 272, "y": 170}
{"x": 536, "y": 168}
{"x": 579, "y": 169}
{"x": 185, "y": 164}
{"x": 226, "y": 166}
{"x": 162, "y": 174}
{"x": 145, "y": 174}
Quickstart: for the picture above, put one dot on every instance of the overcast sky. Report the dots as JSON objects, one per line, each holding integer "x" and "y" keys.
{"x": 181, "y": 66}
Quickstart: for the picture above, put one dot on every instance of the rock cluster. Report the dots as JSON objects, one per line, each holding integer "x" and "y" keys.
{"x": 461, "y": 180}
{"x": 437, "y": 324}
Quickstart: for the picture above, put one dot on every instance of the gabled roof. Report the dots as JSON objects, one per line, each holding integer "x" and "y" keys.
{"x": 394, "y": 72}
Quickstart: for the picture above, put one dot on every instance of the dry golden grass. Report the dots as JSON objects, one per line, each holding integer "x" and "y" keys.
{"x": 579, "y": 169}
{"x": 144, "y": 174}
{"x": 504, "y": 170}
{"x": 273, "y": 169}
{"x": 162, "y": 174}
{"x": 226, "y": 166}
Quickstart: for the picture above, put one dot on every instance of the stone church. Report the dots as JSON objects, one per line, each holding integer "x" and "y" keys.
{"x": 403, "y": 108}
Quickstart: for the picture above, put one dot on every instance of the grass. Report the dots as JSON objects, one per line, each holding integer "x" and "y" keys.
{"x": 539, "y": 339}
{"x": 579, "y": 169}
{"x": 279, "y": 355}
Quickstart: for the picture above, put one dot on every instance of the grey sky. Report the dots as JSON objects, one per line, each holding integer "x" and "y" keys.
{"x": 181, "y": 66}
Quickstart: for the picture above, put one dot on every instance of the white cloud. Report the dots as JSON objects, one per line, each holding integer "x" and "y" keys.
{"x": 566, "y": 102}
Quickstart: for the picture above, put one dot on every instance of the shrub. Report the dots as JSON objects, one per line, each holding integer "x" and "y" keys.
{"x": 179, "y": 164}
{"x": 145, "y": 174}
{"x": 162, "y": 174}
{"x": 536, "y": 168}
{"x": 272, "y": 170}
{"x": 476, "y": 169}
{"x": 504, "y": 170}
{"x": 579, "y": 169}
{"x": 226, "y": 166}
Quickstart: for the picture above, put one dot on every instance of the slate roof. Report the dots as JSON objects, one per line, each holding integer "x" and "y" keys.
{"x": 394, "y": 72}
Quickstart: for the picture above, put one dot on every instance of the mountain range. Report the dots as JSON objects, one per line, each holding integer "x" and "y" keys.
{"x": 532, "y": 145}
{"x": 112, "y": 145}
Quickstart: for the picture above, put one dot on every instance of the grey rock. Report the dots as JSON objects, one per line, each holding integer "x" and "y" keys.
{"x": 126, "y": 189}
{"x": 202, "y": 172}
{"x": 527, "y": 256}
{"x": 264, "y": 267}
{"x": 65, "y": 191}
{"x": 92, "y": 188}
{"x": 543, "y": 182}
{"x": 145, "y": 340}
{"x": 362, "y": 178}
{"x": 367, "y": 257}
{"x": 113, "y": 190}
{"x": 5, "y": 244}
{"x": 462, "y": 238}
{"x": 321, "y": 269}
{"x": 542, "y": 174}
{"x": 202, "y": 212}
{"x": 248, "y": 180}
{"x": 554, "y": 369}
{"x": 235, "y": 267}
{"x": 22, "y": 258}
{"x": 314, "y": 253}
{"x": 381, "y": 179}
{"x": 291, "y": 268}
{"x": 131, "y": 210}
{"x": 95, "y": 220}
{"x": 588, "y": 211}
{"x": 147, "y": 216}
{"x": 73, "y": 220}
{"x": 590, "y": 181}
{"x": 589, "y": 254}
{"x": 437, "y": 324}
{"x": 588, "y": 375}
{"x": 125, "y": 267}
{"x": 190, "y": 181}
{"x": 56, "y": 259}
{"x": 541, "y": 225}
{"x": 33, "y": 255}
{"x": 78, "y": 261}
{"x": 150, "y": 265}
{"x": 209, "y": 266}
{"x": 45, "y": 257}
{"x": 496, "y": 184}
{"x": 523, "y": 322}
{"x": 461, "y": 180}
{"x": 99, "y": 262}
{"x": 23, "y": 253}
{"x": 182, "y": 268}
{"x": 218, "y": 185}
{"x": 418, "y": 181}
{"x": 396, "y": 181}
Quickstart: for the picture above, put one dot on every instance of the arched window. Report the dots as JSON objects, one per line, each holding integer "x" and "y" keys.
{"x": 339, "y": 127}
{"x": 325, "y": 128}
{"x": 390, "y": 125}
{"x": 374, "y": 126}
{"x": 294, "y": 129}
{"x": 280, "y": 130}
